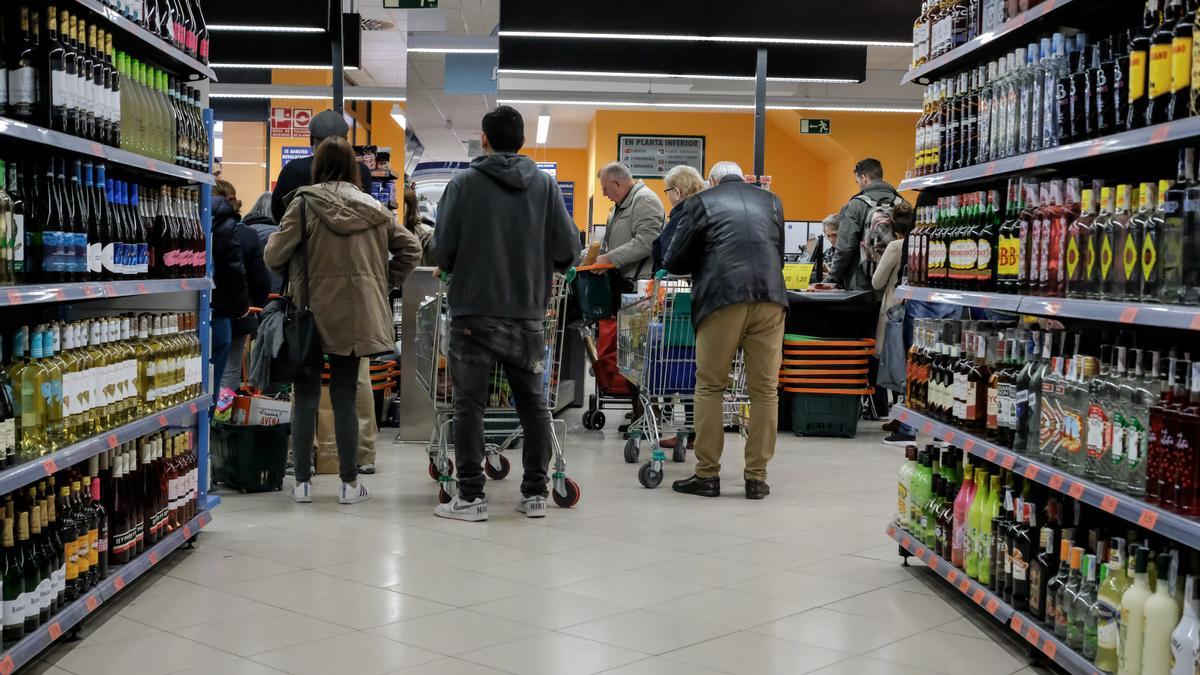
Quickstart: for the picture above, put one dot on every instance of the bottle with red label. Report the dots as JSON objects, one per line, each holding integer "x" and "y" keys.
{"x": 1053, "y": 262}
{"x": 1158, "y": 441}
{"x": 1028, "y": 227}
{"x": 986, "y": 236}
{"x": 1187, "y": 440}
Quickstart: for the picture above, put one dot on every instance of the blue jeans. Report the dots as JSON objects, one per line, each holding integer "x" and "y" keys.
{"x": 222, "y": 338}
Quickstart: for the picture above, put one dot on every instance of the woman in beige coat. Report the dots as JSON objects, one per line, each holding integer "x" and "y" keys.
{"x": 343, "y": 275}
{"x": 887, "y": 275}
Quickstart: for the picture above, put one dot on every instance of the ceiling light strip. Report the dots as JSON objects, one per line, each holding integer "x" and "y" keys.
{"x": 304, "y": 97}
{"x": 453, "y": 50}
{"x": 676, "y": 76}
{"x": 572, "y": 35}
{"x": 245, "y": 28}
{"x": 707, "y": 106}
{"x": 274, "y": 66}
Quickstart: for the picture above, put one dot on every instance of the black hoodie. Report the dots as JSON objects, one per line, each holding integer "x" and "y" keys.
{"x": 502, "y": 231}
{"x": 231, "y": 295}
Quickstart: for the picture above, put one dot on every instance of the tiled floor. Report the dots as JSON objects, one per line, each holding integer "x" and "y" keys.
{"x": 631, "y": 582}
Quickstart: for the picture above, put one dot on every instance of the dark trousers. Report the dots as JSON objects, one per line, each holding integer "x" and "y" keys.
{"x": 222, "y": 339}
{"x": 477, "y": 345}
{"x": 343, "y": 388}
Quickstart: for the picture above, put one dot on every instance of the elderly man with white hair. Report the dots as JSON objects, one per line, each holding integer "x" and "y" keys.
{"x": 634, "y": 223}
{"x": 730, "y": 239}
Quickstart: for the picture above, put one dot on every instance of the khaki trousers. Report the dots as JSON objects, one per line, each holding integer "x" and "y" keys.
{"x": 365, "y": 405}
{"x": 756, "y": 327}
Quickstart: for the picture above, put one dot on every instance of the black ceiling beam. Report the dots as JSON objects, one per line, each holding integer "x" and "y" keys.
{"x": 297, "y": 49}
{"x": 308, "y": 13}
{"x": 869, "y": 20}
{"x": 675, "y": 58}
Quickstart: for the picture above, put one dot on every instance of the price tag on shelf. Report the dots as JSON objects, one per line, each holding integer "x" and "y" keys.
{"x": 50, "y": 466}
{"x": 112, "y": 441}
{"x": 193, "y": 408}
{"x": 978, "y": 596}
{"x": 1008, "y": 462}
{"x": 1031, "y": 161}
{"x": 1056, "y": 482}
{"x": 55, "y": 630}
{"x": 1049, "y": 648}
{"x": 7, "y": 666}
{"x": 141, "y": 289}
{"x": 1196, "y": 322}
{"x": 1109, "y": 503}
{"x": 906, "y": 543}
{"x": 1017, "y": 624}
{"x": 1148, "y": 519}
{"x": 91, "y": 603}
{"x": 969, "y": 444}
{"x": 1076, "y": 490}
{"x": 891, "y": 530}
{"x": 119, "y": 582}
{"x": 1032, "y": 636}
{"x": 162, "y": 421}
{"x": 185, "y": 285}
{"x": 1031, "y": 472}
{"x": 60, "y": 294}
{"x": 991, "y": 455}
{"x": 153, "y": 557}
{"x": 903, "y": 415}
{"x": 15, "y": 298}
{"x": 1053, "y": 308}
{"x": 97, "y": 149}
{"x": 187, "y": 532}
{"x": 952, "y": 576}
{"x": 1161, "y": 134}
{"x": 992, "y": 605}
{"x": 989, "y": 169}
{"x": 928, "y": 428}
{"x": 111, "y": 290}
{"x": 1095, "y": 149}
{"x": 964, "y": 585}
{"x": 1128, "y": 315}
{"x": 90, "y": 291}
{"x": 985, "y": 302}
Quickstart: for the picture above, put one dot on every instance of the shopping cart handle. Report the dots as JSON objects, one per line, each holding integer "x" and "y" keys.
{"x": 660, "y": 275}
{"x": 570, "y": 275}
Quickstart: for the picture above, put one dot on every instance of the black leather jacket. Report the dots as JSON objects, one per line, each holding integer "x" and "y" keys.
{"x": 730, "y": 239}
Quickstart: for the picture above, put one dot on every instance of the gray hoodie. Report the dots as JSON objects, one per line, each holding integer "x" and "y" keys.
{"x": 502, "y": 231}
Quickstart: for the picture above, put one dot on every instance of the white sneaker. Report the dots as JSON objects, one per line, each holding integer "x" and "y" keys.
{"x": 458, "y": 509}
{"x": 353, "y": 494}
{"x": 533, "y": 507}
{"x": 302, "y": 493}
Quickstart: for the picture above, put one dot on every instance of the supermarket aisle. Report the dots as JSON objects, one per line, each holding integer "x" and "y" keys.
{"x": 633, "y": 581}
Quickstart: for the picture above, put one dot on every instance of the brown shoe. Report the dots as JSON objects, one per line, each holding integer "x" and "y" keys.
{"x": 757, "y": 489}
{"x": 668, "y": 443}
{"x": 892, "y": 426}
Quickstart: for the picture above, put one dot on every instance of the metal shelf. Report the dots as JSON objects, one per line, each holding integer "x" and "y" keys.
{"x": 31, "y": 646}
{"x": 163, "y": 50}
{"x": 1126, "y": 141}
{"x": 980, "y": 595}
{"x": 23, "y": 131}
{"x": 1056, "y": 650}
{"x": 43, "y": 467}
{"x": 1147, "y": 516}
{"x": 968, "y": 54}
{"x": 96, "y": 290}
{"x": 1140, "y": 313}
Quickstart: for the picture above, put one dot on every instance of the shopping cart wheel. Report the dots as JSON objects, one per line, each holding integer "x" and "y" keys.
{"x": 497, "y": 472}
{"x": 648, "y": 476}
{"x": 631, "y": 451}
{"x": 443, "y": 496}
{"x": 433, "y": 472}
{"x": 571, "y": 498}
{"x": 597, "y": 420}
{"x": 679, "y": 454}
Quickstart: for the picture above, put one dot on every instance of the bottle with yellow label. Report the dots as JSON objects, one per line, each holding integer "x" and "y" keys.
{"x": 1102, "y": 243}
{"x": 1181, "y": 65}
{"x": 1152, "y": 261}
{"x": 1139, "y": 59}
{"x": 1130, "y": 272}
{"x": 1081, "y": 248}
{"x": 1161, "y": 54}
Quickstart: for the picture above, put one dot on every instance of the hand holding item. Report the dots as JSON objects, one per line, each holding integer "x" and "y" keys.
{"x": 823, "y": 287}
{"x": 602, "y": 265}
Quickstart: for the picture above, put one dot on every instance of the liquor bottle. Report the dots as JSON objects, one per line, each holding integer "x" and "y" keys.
{"x": 1101, "y": 79}
{"x": 43, "y": 599}
{"x": 1190, "y": 291}
{"x": 17, "y": 196}
{"x": 1064, "y": 628}
{"x": 23, "y": 74}
{"x": 1028, "y": 228}
{"x": 1139, "y": 62}
{"x": 1133, "y": 618}
{"x": 1174, "y": 225}
{"x": 1081, "y": 248}
{"x": 945, "y": 544}
{"x": 1131, "y": 247}
{"x": 1102, "y": 397}
{"x": 1151, "y": 258}
{"x": 1055, "y": 585}
{"x": 1161, "y": 614}
{"x": 998, "y": 555}
{"x": 1160, "y": 435}
{"x": 1107, "y": 607}
{"x": 960, "y": 518}
{"x": 1082, "y": 94}
{"x": 1159, "y": 84}
{"x": 15, "y": 597}
{"x": 1185, "y": 424}
{"x": 1181, "y": 63}
{"x": 1022, "y": 553}
{"x": 57, "y": 548}
{"x": 30, "y": 573}
{"x": 1083, "y": 619}
{"x": 972, "y": 544}
{"x": 986, "y": 560}
{"x": 1185, "y": 639}
{"x": 1042, "y": 569}
{"x": 1056, "y": 67}
{"x": 1022, "y": 391}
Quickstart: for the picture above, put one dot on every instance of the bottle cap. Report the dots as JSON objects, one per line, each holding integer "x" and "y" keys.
{"x": 1076, "y": 557}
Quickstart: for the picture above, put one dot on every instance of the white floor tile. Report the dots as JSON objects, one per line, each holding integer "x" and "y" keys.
{"x": 449, "y": 667}
{"x": 152, "y": 654}
{"x": 461, "y": 589}
{"x": 551, "y": 609}
{"x": 260, "y": 632}
{"x": 804, "y": 590}
{"x": 729, "y": 608}
{"x": 649, "y": 632}
{"x": 892, "y": 605}
{"x": 365, "y": 608}
{"x": 548, "y": 571}
{"x": 624, "y": 554}
{"x": 751, "y": 653}
{"x": 553, "y": 654}
{"x": 634, "y": 588}
{"x": 948, "y": 653}
{"x": 657, "y": 665}
{"x": 455, "y": 632}
{"x": 835, "y": 630}
{"x": 361, "y": 653}
{"x": 708, "y": 570}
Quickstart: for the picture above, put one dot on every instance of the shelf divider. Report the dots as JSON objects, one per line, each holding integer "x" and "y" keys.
{"x": 95, "y": 290}
{"x": 978, "y": 593}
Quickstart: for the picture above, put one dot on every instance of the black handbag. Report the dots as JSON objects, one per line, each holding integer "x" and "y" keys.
{"x": 301, "y": 348}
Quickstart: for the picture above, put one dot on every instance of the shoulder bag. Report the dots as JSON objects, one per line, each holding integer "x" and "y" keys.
{"x": 301, "y": 348}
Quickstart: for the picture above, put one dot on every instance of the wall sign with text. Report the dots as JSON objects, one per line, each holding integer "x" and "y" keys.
{"x": 653, "y": 156}
{"x": 290, "y": 122}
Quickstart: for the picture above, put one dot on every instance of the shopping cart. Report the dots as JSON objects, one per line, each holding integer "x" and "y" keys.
{"x": 656, "y": 351}
{"x": 431, "y": 344}
{"x": 592, "y": 294}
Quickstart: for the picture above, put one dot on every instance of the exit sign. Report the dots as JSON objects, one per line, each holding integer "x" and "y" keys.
{"x": 814, "y": 126}
{"x": 410, "y": 4}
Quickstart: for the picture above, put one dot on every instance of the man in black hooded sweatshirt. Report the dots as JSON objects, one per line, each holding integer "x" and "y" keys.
{"x": 502, "y": 232}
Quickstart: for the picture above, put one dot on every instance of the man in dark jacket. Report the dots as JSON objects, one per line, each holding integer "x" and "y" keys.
{"x": 730, "y": 238}
{"x": 298, "y": 172}
{"x": 846, "y": 271}
{"x": 231, "y": 292}
{"x": 258, "y": 283}
{"x": 503, "y": 230}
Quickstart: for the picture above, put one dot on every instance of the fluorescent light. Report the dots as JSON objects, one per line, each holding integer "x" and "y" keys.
{"x": 304, "y": 97}
{"x": 543, "y": 127}
{"x": 677, "y": 76}
{"x": 398, "y": 115}
{"x": 699, "y": 38}
{"x": 704, "y": 106}
{"x": 452, "y": 50}
{"x": 272, "y": 66}
{"x": 245, "y": 28}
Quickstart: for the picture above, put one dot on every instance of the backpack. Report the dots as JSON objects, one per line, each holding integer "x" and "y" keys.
{"x": 877, "y": 231}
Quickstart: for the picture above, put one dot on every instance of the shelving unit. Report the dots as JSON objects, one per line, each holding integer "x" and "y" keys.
{"x": 1022, "y": 25}
{"x": 1141, "y": 313}
{"x": 192, "y": 295}
{"x": 21, "y": 131}
{"x": 118, "y": 578}
{"x": 1019, "y": 622}
{"x": 1126, "y": 141}
{"x": 168, "y": 55}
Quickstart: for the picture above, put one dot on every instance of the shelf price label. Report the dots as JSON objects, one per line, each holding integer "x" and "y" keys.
{"x": 1076, "y": 490}
{"x": 952, "y": 576}
{"x": 964, "y": 586}
{"x": 50, "y": 466}
{"x": 162, "y": 420}
{"x": 187, "y": 532}
{"x": 15, "y": 298}
{"x": 1056, "y": 482}
{"x": 1128, "y": 315}
{"x": 949, "y": 437}
{"x": 1008, "y": 462}
{"x": 55, "y": 631}
{"x": 1032, "y": 636}
{"x": 91, "y": 603}
{"x": 903, "y": 415}
{"x": 1109, "y": 503}
{"x": 992, "y": 605}
{"x": 1049, "y": 648}
{"x": 928, "y": 428}
{"x": 991, "y": 455}
{"x": 1017, "y": 624}
{"x": 1148, "y": 519}
{"x": 1195, "y": 321}
{"x": 969, "y": 444}
{"x": 153, "y": 557}
{"x": 113, "y": 442}
{"x": 978, "y": 596}
{"x": 1031, "y": 472}
{"x": 7, "y": 666}
{"x": 119, "y": 582}
{"x": 1161, "y": 134}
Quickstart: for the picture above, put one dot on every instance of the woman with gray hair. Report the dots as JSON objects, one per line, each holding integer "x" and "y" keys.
{"x": 682, "y": 182}
{"x": 259, "y": 219}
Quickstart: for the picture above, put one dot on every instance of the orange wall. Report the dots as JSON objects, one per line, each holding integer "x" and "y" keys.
{"x": 813, "y": 175}
{"x": 572, "y": 166}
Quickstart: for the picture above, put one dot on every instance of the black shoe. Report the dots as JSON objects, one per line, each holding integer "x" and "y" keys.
{"x": 900, "y": 440}
{"x": 702, "y": 487}
{"x": 892, "y": 426}
{"x": 757, "y": 489}
{"x": 367, "y": 469}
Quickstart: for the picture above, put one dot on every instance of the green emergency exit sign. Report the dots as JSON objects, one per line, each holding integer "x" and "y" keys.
{"x": 410, "y": 4}
{"x": 814, "y": 126}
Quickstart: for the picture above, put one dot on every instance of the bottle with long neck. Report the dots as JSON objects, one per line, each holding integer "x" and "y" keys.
{"x": 1185, "y": 639}
{"x": 1173, "y": 234}
{"x": 1152, "y": 260}
{"x": 1139, "y": 64}
{"x": 1064, "y": 628}
{"x": 1132, "y": 627}
{"x": 1161, "y": 615}
{"x": 1107, "y": 608}
{"x": 1159, "y": 84}
{"x": 1082, "y": 616}
{"x": 14, "y": 594}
